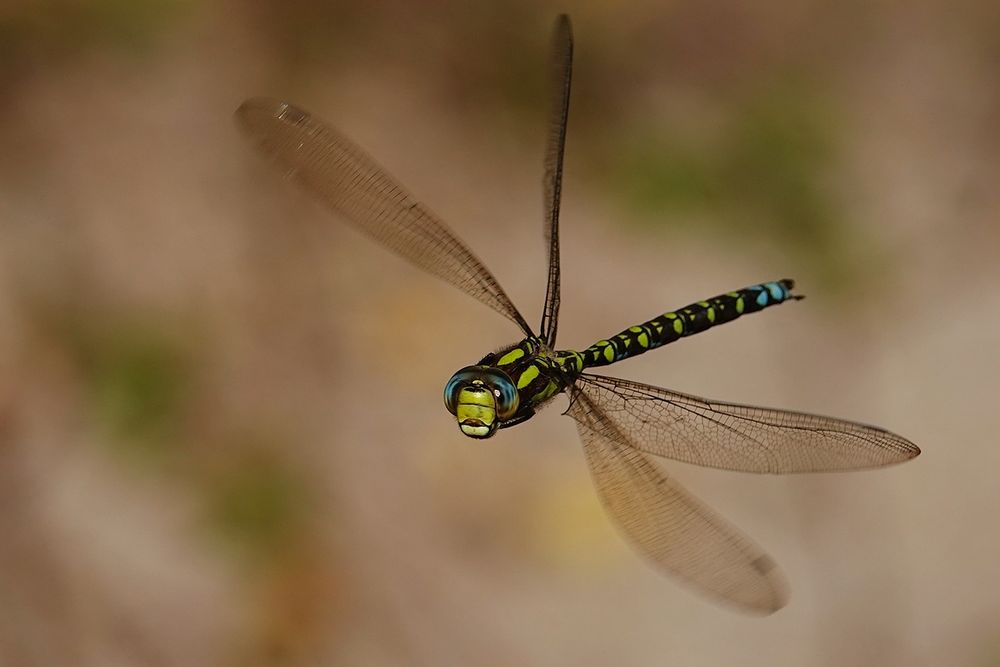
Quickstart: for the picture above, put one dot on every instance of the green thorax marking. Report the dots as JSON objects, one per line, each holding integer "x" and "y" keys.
{"x": 537, "y": 372}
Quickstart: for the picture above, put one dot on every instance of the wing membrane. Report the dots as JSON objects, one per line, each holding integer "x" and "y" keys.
{"x": 669, "y": 526}
{"x": 739, "y": 437}
{"x": 561, "y": 75}
{"x": 340, "y": 174}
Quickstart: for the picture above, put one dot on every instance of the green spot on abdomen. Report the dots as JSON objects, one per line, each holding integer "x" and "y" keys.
{"x": 609, "y": 353}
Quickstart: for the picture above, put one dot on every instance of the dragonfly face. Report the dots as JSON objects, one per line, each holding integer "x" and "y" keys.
{"x": 481, "y": 398}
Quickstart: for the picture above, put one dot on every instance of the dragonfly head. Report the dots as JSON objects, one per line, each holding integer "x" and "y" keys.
{"x": 481, "y": 398}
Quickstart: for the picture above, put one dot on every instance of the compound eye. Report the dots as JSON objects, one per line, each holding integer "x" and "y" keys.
{"x": 458, "y": 380}
{"x": 505, "y": 392}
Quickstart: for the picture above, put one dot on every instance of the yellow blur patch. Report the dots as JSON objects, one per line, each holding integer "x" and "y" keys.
{"x": 569, "y": 529}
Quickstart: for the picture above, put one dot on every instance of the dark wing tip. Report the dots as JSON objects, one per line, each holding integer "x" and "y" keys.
{"x": 778, "y": 598}
{"x": 258, "y": 106}
{"x": 256, "y": 110}
{"x": 910, "y": 451}
{"x": 900, "y": 450}
{"x": 762, "y": 595}
{"x": 563, "y": 30}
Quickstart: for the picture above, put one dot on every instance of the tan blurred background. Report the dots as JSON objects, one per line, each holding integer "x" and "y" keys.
{"x": 222, "y": 434}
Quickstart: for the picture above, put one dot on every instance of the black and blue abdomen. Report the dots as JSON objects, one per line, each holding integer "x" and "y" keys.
{"x": 692, "y": 319}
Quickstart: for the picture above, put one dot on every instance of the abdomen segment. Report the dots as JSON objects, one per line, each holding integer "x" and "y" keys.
{"x": 692, "y": 319}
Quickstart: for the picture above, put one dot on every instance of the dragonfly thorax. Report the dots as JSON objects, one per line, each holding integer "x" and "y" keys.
{"x": 481, "y": 398}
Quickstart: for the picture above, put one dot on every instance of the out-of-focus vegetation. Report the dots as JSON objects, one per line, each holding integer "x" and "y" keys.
{"x": 764, "y": 174}
{"x": 258, "y": 504}
{"x": 210, "y": 457}
{"x": 137, "y": 382}
{"x": 59, "y": 30}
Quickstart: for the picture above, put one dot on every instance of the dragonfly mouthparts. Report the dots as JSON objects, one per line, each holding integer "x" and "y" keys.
{"x": 476, "y": 428}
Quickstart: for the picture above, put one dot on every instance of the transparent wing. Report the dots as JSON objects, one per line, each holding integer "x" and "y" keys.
{"x": 739, "y": 437}
{"x": 332, "y": 168}
{"x": 670, "y": 527}
{"x": 561, "y": 74}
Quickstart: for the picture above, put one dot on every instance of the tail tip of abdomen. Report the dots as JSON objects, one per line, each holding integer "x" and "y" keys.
{"x": 789, "y": 285}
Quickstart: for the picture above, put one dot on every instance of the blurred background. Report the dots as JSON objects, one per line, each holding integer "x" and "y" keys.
{"x": 222, "y": 439}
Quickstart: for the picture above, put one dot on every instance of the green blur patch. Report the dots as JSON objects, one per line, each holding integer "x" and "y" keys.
{"x": 779, "y": 156}
{"x": 763, "y": 173}
{"x": 137, "y": 381}
{"x": 659, "y": 172}
{"x": 258, "y": 506}
{"x": 52, "y": 28}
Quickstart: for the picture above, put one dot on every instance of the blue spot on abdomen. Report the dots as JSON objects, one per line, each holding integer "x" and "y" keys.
{"x": 777, "y": 291}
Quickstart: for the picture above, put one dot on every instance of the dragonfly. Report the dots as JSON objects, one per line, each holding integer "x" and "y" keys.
{"x": 622, "y": 423}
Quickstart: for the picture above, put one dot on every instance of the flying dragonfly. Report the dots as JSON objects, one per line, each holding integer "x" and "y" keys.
{"x": 622, "y": 423}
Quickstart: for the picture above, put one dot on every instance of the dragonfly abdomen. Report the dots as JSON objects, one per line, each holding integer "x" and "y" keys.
{"x": 692, "y": 319}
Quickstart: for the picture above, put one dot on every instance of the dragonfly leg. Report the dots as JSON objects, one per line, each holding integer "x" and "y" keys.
{"x": 518, "y": 418}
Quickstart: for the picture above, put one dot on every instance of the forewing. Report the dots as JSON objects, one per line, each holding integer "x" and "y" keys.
{"x": 340, "y": 174}
{"x": 560, "y": 78}
{"x": 739, "y": 437}
{"x": 670, "y": 527}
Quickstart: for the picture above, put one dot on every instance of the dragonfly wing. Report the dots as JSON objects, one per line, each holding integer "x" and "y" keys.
{"x": 669, "y": 526}
{"x": 739, "y": 437}
{"x": 561, "y": 74}
{"x": 346, "y": 179}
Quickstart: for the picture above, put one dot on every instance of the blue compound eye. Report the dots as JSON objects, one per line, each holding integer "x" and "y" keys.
{"x": 458, "y": 380}
{"x": 497, "y": 381}
{"x": 505, "y": 392}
